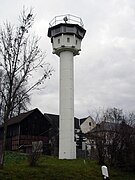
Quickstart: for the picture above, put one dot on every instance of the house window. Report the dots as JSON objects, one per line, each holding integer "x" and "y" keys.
{"x": 76, "y": 42}
{"x": 68, "y": 39}
{"x": 58, "y": 41}
{"x": 89, "y": 123}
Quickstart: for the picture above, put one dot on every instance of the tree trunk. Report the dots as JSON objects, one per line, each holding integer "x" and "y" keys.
{"x": 2, "y": 153}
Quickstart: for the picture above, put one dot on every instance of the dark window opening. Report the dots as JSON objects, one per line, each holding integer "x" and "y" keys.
{"x": 68, "y": 39}
{"x": 57, "y": 30}
{"x": 58, "y": 41}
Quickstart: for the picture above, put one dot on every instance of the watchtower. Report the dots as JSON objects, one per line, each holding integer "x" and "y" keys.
{"x": 66, "y": 33}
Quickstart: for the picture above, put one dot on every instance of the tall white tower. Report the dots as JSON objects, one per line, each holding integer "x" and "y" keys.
{"x": 66, "y": 33}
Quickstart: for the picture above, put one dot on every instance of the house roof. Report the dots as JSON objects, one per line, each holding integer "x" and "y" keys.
{"x": 54, "y": 120}
{"x": 105, "y": 126}
{"x": 84, "y": 119}
{"x": 22, "y": 116}
{"x": 111, "y": 127}
{"x": 76, "y": 123}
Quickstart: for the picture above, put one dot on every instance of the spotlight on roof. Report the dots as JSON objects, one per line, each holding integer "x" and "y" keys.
{"x": 65, "y": 19}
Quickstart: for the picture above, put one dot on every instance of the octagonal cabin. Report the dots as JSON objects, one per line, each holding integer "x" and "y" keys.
{"x": 66, "y": 36}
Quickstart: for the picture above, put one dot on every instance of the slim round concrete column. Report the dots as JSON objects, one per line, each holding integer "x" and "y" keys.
{"x": 66, "y": 131}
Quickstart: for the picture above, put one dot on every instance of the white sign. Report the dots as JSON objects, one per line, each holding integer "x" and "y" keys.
{"x": 104, "y": 171}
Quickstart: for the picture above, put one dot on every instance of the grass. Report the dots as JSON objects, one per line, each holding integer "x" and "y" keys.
{"x": 51, "y": 168}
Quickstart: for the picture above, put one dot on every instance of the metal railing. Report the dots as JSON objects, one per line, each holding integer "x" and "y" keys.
{"x": 67, "y": 18}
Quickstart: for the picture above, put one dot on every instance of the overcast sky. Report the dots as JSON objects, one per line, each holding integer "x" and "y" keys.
{"x": 105, "y": 68}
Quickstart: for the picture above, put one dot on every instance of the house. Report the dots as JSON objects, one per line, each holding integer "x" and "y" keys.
{"x": 25, "y": 129}
{"x": 87, "y": 124}
{"x": 109, "y": 139}
{"x": 100, "y": 135}
{"x": 33, "y": 126}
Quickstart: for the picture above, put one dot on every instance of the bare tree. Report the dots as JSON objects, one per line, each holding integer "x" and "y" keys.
{"x": 18, "y": 106}
{"x": 20, "y": 59}
{"x": 37, "y": 149}
{"x": 113, "y": 115}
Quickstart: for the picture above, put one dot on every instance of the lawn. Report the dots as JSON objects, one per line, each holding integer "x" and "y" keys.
{"x": 51, "y": 168}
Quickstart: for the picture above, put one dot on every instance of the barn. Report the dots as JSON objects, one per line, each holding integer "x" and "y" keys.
{"x": 26, "y": 129}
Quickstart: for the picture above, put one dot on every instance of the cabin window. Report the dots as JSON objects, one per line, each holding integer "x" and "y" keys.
{"x": 58, "y": 41}
{"x": 57, "y": 30}
{"x": 64, "y": 29}
{"x": 68, "y": 39}
{"x": 89, "y": 123}
{"x": 69, "y": 29}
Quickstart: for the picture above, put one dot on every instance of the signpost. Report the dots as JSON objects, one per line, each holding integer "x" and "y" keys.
{"x": 105, "y": 173}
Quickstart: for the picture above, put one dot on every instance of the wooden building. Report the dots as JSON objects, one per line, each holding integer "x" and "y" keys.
{"x": 25, "y": 129}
